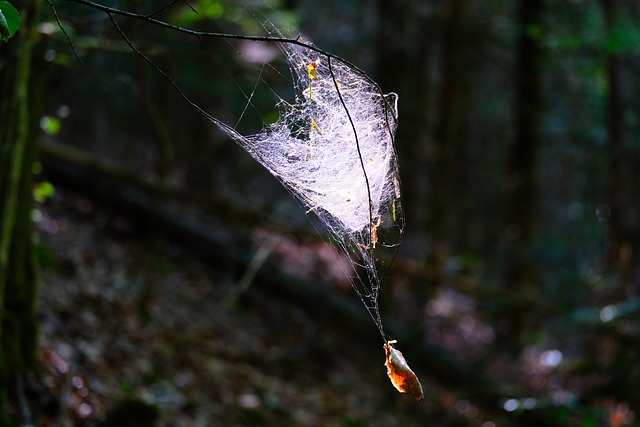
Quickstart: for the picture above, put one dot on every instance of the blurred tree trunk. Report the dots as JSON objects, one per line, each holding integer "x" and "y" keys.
{"x": 403, "y": 65}
{"x": 403, "y": 60}
{"x": 623, "y": 246}
{"x": 447, "y": 161}
{"x": 615, "y": 139}
{"x": 449, "y": 205}
{"x": 519, "y": 281}
{"x": 18, "y": 267}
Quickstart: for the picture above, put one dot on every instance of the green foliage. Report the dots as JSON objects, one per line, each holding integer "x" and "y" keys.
{"x": 9, "y": 21}
{"x": 624, "y": 38}
{"x": 46, "y": 257}
{"x": 226, "y": 12}
{"x": 534, "y": 31}
{"x": 43, "y": 191}
{"x": 50, "y": 125}
{"x": 206, "y": 10}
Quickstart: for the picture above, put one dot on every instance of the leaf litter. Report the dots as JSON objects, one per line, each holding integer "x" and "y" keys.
{"x": 126, "y": 316}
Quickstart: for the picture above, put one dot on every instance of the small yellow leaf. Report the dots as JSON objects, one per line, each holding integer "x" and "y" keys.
{"x": 311, "y": 68}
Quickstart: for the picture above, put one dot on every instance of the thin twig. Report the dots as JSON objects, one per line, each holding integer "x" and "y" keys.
{"x": 168, "y": 5}
{"x": 298, "y": 41}
{"x": 159, "y": 70}
{"x": 73, "y": 47}
{"x": 249, "y": 276}
{"x": 377, "y": 320}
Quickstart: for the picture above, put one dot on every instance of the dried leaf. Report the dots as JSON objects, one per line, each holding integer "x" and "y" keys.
{"x": 400, "y": 374}
{"x": 311, "y": 68}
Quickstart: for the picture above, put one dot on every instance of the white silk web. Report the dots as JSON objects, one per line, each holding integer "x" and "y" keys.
{"x": 333, "y": 149}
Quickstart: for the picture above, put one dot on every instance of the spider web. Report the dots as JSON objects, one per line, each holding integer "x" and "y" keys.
{"x": 332, "y": 148}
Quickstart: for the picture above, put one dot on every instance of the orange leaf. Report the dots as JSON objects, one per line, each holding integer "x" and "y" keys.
{"x": 400, "y": 374}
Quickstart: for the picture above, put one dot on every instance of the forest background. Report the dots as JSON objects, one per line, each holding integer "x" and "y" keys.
{"x": 171, "y": 279}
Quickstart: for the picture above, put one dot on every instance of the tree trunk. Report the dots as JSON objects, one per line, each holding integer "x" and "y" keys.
{"x": 519, "y": 282}
{"x": 623, "y": 245}
{"x": 403, "y": 67}
{"x": 449, "y": 177}
{"x": 18, "y": 267}
{"x": 615, "y": 140}
{"x": 623, "y": 240}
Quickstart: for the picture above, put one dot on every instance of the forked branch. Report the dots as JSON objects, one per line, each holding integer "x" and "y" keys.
{"x": 150, "y": 18}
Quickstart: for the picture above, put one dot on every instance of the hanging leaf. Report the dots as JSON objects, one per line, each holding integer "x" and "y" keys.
{"x": 400, "y": 374}
{"x": 9, "y": 20}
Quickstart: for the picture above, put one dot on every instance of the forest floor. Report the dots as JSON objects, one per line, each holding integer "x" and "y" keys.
{"x": 133, "y": 323}
{"x": 129, "y": 316}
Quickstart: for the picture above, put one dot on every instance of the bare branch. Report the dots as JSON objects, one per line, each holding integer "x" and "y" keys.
{"x": 73, "y": 47}
{"x": 299, "y": 41}
{"x": 168, "y": 5}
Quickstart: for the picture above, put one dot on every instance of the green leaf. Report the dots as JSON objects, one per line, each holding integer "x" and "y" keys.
{"x": 43, "y": 191}
{"x": 534, "y": 32}
{"x": 9, "y": 20}
{"x": 50, "y": 125}
{"x": 207, "y": 9}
